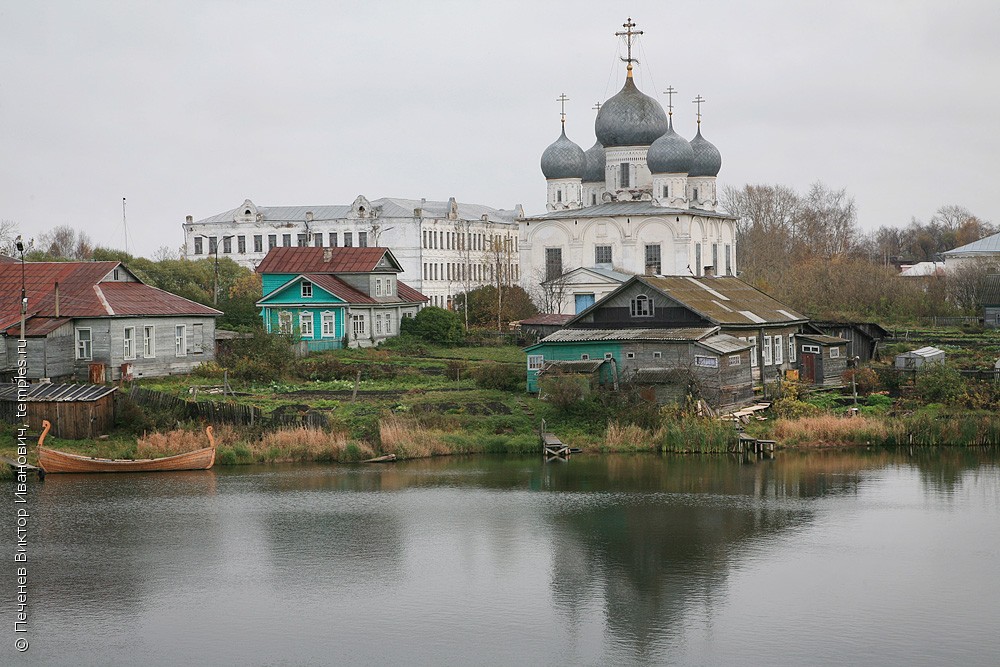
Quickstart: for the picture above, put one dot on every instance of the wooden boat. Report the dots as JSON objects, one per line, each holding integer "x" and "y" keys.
{"x": 53, "y": 461}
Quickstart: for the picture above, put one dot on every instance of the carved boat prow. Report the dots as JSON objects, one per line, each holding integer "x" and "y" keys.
{"x": 55, "y": 461}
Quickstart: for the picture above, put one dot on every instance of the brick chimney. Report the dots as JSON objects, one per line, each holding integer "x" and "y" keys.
{"x": 709, "y": 271}
{"x": 57, "y": 299}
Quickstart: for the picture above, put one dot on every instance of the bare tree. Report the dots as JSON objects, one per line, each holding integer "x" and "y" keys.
{"x": 164, "y": 253}
{"x": 548, "y": 295}
{"x": 66, "y": 243}
{"x": 8, "y": 234}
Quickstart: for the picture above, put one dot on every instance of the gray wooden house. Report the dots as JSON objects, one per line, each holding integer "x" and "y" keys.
{"x": 863, "y": 338}
{"x": 726, "y": 302}
{"x": 822, "y": 359}
{"x": 98, "y": 321}
{"x": 667, "y": 364}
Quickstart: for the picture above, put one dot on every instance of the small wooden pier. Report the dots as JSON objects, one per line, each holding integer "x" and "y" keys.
{"x": 552, "y": 446}
{"x": 747, "y": 444}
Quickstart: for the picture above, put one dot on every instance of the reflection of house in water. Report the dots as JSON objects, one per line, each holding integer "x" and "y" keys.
{"x": 660, "y": 543}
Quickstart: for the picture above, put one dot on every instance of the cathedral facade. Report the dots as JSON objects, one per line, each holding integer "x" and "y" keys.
{"x": 641, "y": 201}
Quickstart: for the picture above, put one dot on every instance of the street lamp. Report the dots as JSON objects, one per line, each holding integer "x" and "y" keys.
{"x": 24, "y": 296}
{"x": 215, "y": 289}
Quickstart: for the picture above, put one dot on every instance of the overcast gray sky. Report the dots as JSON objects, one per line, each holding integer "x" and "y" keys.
{"x": 188, "y": 108}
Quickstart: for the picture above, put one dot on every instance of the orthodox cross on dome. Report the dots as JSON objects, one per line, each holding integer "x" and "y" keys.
{"x": 596, "y": 107}
{"x": 670, "y": 92}
{"x": 562, "y": 99}
{"x": 698, "y": 100}
{"x": 628, "y": 35}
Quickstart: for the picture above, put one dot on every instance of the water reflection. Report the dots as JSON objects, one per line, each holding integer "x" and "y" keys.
{"x": 601, "y": 560}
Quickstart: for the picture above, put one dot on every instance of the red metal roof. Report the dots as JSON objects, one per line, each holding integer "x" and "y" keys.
{"x": 338, "y": 288}
{"x": 142, "y": 299}
{"x": 407, "y": 293}
{"x": 37, "y": 326}
{"x": 312, "y": 260}
{"x": 82, "y": 294}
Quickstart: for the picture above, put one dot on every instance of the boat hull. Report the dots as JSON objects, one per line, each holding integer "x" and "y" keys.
{"x": 54, "y": 461}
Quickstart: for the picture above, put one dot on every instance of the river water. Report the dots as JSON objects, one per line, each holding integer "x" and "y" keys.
{"x": 826, "y": 558}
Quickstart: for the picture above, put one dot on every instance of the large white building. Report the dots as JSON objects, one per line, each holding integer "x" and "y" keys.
{"x": 642, "y": 200}
{"x": 445, "y": 248}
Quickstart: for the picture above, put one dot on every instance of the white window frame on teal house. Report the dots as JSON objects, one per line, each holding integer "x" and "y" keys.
{"x": 284, "y": 322}
{"x": 535, "y": 362}
{"x": 84, "y": 344}
{"x": 306, "y": 323}
{"x": 149, "y": 341}
{"x": 328, "y": 320}
{"x": 307, "y": 289}
{"x": 128, "y": 343}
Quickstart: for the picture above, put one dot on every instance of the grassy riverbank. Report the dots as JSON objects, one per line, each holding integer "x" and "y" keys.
{"x": 426, "y": 401}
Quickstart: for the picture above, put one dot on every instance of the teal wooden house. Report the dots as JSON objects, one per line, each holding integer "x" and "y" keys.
{"x": 335, "y": 297}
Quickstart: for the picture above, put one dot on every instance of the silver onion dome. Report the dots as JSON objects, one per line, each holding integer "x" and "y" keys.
{"x": 563, "y": 159}
{"x": 630, "y": 118}
{"x": 670, "y": 154}
{"x": 707, "y": 159}
{"x": 594, "y": 172}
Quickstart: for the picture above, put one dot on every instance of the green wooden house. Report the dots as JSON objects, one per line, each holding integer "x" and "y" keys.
{"x": 335, "y": 297}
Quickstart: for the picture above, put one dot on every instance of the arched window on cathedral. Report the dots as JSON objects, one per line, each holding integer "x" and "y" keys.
{"x": 642, "y": 306}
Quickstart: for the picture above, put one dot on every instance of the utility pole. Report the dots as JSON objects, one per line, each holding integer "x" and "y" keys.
{"x": 24, "y": 296}
{"x": 215, "y": 287}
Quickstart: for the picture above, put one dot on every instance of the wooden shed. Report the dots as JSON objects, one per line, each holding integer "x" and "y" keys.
{"x": 822, "y": 359}
{"x": 76, "y": 411}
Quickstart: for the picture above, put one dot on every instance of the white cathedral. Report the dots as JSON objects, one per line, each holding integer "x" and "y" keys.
{"x": 642, "y": 200}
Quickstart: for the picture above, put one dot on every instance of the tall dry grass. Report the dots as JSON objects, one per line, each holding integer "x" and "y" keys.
{"x": 407, "y": 439}
{"x": 628, "y": 438}
{"x": 308, "y": 444}
{"x": 178, "y": 441}
{"x": 829, "y": 430}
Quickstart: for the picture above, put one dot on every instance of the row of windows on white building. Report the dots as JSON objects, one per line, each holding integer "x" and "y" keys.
{"x": 460, "y": 272}
{"x": 432, "y": 239}
{"x": 316, "y": 239}
{"x": 85, "y": 342}
{"x": 653, "y": 256}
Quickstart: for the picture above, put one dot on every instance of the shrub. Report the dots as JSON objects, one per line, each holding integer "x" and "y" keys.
{"x": 261, "y": 357}
{"x": 434, "y": 325}
{"x": 208, "y": 369}
{"x": 940, "y": 384}
{"x": 503, "y": 377}
{"x": 865, "y": 380}
{"x": 562, "y": 390}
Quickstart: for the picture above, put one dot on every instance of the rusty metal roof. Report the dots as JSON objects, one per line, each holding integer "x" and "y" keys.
{"x": 38, "y": 326}
{"x": 83, "y": 294}
{"x": 547, "y": 319}
{"x": 57, "y": 393}
{"x": 597, "y": 335}
{"x": 124, "y": 299}
{"x": 724, "y": 300}
{"x": 350, "y": 295}
{"x": 341, "y": 260}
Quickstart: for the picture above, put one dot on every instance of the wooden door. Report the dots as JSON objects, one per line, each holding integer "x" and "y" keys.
{"x": 808, "y": 367}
